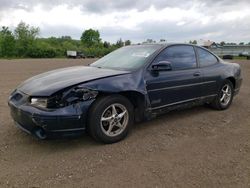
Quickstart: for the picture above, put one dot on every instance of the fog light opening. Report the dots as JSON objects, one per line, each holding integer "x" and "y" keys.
{"x": 40, "y": 133}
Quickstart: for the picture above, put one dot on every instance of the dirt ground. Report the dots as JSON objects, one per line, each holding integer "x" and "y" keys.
{"x": 198, "y": 147}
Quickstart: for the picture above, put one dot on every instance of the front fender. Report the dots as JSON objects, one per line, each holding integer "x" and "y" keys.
{"x": 117, "y": 84}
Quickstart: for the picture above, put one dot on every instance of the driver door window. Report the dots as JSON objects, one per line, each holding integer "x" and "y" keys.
{"x": 180, "y": 56}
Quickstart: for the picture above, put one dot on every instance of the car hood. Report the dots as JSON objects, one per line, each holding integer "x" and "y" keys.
{"x": 50, "y": 82}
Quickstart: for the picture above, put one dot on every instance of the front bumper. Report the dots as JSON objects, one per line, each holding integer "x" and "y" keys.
{"x": 68, "y": 120}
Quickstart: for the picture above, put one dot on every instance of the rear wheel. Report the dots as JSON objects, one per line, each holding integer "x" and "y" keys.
{"x": 110, "y": 118}
{"x": 225, "y": 96}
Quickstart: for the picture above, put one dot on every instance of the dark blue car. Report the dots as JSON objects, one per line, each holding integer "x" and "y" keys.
{"x": 131, "y": 84}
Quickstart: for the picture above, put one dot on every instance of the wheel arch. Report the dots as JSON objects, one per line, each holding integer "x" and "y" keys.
{"x": 137, "y": 99}
{"x": 232, "y": 80}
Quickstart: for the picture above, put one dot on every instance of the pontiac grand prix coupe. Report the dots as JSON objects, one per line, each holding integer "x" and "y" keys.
{"x": 131, "y": 84}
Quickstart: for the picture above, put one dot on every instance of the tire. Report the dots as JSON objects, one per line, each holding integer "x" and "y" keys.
{"x": 110, "y": 118}
{"x": 221, "y": 103}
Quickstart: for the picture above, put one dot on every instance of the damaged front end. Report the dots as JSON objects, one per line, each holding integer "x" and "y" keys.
{"x": 63, "y": 99}
{"x": 76, "y": 94}
{"x": 63, "y": 113}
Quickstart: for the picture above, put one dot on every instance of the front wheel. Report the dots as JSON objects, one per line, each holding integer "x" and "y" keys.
{"x": 225, "y": 96}
{"x": 110, "y": 118}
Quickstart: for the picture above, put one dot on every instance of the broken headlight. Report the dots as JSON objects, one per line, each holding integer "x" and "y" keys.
{"x": 39, "y": 102}
{"x": 64, "y": 99}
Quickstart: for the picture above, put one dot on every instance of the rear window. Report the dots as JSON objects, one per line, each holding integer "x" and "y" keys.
{"x": 206, "y": 58}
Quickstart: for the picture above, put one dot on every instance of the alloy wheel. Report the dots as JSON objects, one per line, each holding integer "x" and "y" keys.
{"x": 114, "y": 119}
{"x": 226, "y": 94}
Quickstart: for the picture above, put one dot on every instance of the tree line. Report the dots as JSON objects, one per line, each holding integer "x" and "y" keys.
{"x": 24, "y": 42}
{"x": 222, "y": 43}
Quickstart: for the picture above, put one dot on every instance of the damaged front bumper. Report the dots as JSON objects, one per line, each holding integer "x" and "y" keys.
{"x": 65, "y": 121}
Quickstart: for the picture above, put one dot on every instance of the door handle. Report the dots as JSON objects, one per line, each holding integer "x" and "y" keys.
{"x": 197, "y": 74}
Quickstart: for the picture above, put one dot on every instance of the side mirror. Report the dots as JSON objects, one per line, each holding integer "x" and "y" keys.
{"x": 162, "y": 66}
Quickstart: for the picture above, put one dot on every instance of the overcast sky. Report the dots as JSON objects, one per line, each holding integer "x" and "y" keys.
{"x": 137, "y": 20}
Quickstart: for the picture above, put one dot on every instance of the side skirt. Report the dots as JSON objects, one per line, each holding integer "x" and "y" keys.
{"x": 156, "y": 111}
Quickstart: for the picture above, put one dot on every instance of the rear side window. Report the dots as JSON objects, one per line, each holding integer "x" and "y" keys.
{"x": 206, "y": 58}
{"x": 180, "y": 56}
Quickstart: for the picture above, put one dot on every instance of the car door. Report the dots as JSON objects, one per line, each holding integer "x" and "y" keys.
{"x": 178, "y": 85}
{"x": 209, "y": 68}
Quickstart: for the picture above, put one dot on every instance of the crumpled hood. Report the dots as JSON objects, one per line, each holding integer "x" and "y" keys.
{"x": 50, "y": 82}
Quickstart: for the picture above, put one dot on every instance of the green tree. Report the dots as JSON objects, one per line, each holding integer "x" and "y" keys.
{"x": 222, "y": 43}
{"x": 106, "y": 44}
{"x": 66, "y": 37}
{"x": 53, "y": 41}
{"x": 67, "y": 45}
{"x": 90, "y": 38}
{"x": 25, "y": 37}
{"x": 193, "y": 42}
{"x": 127, "y": 42}
{"x": 24, "y": 42}
{"x": 41, "y": 49}
{"x": 231, "y": 43}
{"x": 7, "y": 43}
{"x": 241, "y": 43}
{"x": 119, "y": 43}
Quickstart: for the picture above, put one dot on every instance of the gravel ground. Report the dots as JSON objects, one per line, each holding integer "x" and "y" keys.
{"x": 198, "y": 147}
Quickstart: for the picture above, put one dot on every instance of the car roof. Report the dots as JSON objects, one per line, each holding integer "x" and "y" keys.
{"x": 163, "y": 44}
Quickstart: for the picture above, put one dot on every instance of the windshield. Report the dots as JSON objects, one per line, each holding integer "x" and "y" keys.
{"x": 127, "y": 58}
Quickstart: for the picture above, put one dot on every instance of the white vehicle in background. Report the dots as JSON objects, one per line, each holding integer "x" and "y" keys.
{"x": 245, "y": 54}
{"x": 75, "y": 54}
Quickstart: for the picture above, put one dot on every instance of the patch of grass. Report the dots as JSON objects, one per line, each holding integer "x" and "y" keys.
{"x": 240, "y": 58}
